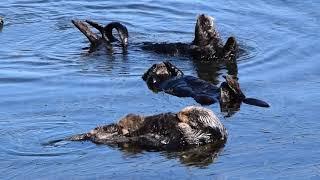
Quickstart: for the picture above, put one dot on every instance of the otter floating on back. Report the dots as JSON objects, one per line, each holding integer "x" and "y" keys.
{"x": 106, "y": 37}
{"x": 191, "y": 127}
{"x": 168, "y": 78}
{"x": 207, "y": 44}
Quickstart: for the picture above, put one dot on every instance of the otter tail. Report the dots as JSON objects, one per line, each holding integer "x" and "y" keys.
{"x": 79, "y": 137}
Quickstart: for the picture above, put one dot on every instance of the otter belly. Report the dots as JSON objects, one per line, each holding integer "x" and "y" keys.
{"x": 192, "y": 126}
{"x": 203, "y": 92}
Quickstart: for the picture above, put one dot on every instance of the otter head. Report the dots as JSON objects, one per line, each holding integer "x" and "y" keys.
{"x": 201, "y": 123}
{"x": 205, "y": 32}
{"x": 158, "y": 73}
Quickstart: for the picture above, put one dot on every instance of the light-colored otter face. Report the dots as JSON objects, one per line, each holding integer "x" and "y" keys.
{"x": 197, "y": 116}
{"x": 200, "y": 125}
{"x": 205, "y": 31}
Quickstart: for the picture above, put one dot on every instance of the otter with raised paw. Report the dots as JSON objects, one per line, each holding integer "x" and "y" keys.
{"x": 191, "y": 127}
{"x": 207, "y": 44}
{"x": 168, "y": 78}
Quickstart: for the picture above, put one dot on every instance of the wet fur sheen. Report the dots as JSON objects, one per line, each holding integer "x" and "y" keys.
{"x": 207, "y": 44}
{"x": 192, "y": 126}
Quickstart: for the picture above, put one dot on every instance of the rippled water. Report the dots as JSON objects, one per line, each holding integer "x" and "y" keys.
{"x": 50, "y": 87}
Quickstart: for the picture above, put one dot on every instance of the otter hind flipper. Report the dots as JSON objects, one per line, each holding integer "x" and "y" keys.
{"x": 79, "y": 137}
{"x": 92, "y": 37}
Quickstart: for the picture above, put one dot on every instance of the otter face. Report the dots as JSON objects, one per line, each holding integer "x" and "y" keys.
{"x": 204, "y": 30}
{"x": 200, "y": 124}
{"x": 199, "y": 117}
{"x": 157, "y": 74}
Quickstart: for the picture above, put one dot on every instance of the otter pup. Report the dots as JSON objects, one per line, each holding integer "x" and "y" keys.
{"x": 192, "y": 126}
{"x": 207, "y": 44}
{"x": 168, "y": 78}
{"x": 106, "y": 37}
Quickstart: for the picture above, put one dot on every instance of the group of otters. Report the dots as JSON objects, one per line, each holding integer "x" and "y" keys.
{"x": 193, "y": 126}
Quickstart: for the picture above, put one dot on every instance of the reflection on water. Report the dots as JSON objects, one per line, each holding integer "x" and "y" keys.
{"x": 199, "y": 156}
{"x": 50, "y": 88}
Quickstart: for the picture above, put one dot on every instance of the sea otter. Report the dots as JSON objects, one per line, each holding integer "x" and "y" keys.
{"x": 207, "y": 44}
{"x": 168, "y": 78}
{"x": 191, "y": 127}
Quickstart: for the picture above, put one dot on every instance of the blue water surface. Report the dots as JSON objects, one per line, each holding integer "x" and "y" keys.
{"x": 50, "y": 88}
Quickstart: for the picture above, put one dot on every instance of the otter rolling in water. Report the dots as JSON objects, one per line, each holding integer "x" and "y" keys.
{"x": 168, "y": 78}
{"x": 191, "y": 127}
{"x": 207, "y": 44}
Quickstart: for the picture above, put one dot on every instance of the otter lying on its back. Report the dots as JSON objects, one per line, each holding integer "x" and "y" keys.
{"x": 106, "y": 37}
{"x": 168, "y": 78}
{"x": 192, "y": 126}
{"x": 207, "y": 44}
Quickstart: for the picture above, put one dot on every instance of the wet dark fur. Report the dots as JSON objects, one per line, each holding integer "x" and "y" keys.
{"x": 192, "y": 126}
{"x": 168, "y": 78}
{"x": 106, "y": 38}
{"x": 207, "y": 44}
